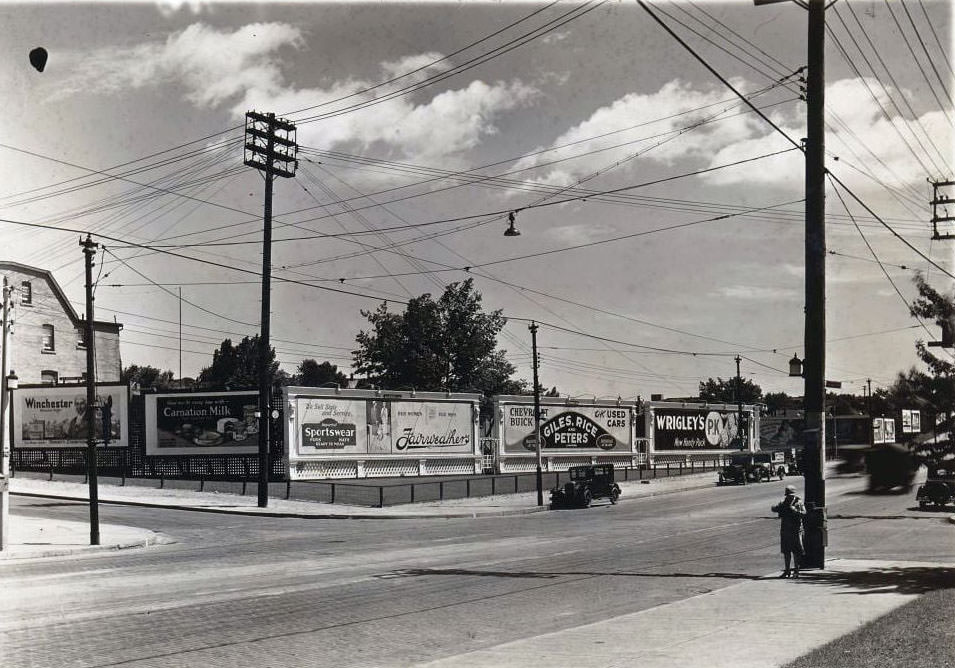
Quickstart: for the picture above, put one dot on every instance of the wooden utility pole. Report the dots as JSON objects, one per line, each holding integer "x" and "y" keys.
{"x": 537, "y": 416}
{"x": 4, "y": 425}
{"x": 89, "y": 251}
{"x": 268, "y": 140}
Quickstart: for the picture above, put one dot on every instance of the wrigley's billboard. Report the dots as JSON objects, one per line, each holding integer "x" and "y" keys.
{"x": 695, "y": 428}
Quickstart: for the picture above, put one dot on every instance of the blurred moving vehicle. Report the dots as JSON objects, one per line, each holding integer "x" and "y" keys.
{"x": 939, "y": 487}
{"x": 792, "y": 461}
{"x": 586, "y": 484}
{"x": 890, "y": 466}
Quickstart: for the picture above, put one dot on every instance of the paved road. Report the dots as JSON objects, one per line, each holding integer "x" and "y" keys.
{"x": 276, "y": 592}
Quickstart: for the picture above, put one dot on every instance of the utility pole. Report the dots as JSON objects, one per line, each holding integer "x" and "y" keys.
{"x": 267, "y": 140}
{"x": 815, "y": 321}
{"x": 4, "y": 425}
{"x": 738, "y": 393}
{"x": 180, "y": 333}
{"x": 537, "y": 415}
{"x": 89, "y": 250}
{"x": 941, "y": 199}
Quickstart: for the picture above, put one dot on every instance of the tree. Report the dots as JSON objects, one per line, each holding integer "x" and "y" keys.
{"x": 448, "y": 344}
{"x": 725, "y": 391}
{"x": 236, "y": 366}
{"x": 312, "y": 374}
{"x": 146, "y": 376}
{"x": 933, "y": 392}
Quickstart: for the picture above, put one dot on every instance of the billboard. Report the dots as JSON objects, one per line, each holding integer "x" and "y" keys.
{"x": 911, "y": 421}
{"x": 202, "y": 423}
{"x": 345, "y": 425}
{"x": 53, "y": 416}
{"x": 704, "y": 428}
{"x": 878, "y": 433}
{"x": 591, "y": 427}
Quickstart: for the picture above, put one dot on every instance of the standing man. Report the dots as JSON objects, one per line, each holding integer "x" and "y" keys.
{"x": 791, "y": 511}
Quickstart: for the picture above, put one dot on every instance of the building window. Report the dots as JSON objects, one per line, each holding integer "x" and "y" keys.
{"x": 48, "y": 340}
{"x": 81, "y": 338}
{"x": 48, "y": 377}
{"x": 26, "y": 293}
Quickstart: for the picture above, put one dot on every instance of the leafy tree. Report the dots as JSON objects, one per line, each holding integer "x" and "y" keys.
{"x": 146, "y": 376}
{"x": 725, "y": 391}
{"x": 777, "y": 402}
{"x": 448, "y": 344}
{"x": 933, "y": 391}
{"x": 236, "y": 366}
{"x": 312, "y": 374}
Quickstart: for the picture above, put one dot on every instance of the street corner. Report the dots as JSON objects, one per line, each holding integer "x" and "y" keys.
{"x": 32, "y": 538}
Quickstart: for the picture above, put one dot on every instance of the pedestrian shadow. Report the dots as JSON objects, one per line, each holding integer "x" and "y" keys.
{"x": 897, "y": 579}
{"x": 884, "y": 517}
{"x": 418, "y": 572}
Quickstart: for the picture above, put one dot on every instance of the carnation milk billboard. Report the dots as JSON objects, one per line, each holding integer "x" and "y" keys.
{"x": 202, "y": 423}
{"x": 54, "y": 416}
{"x": 695, "y": 427}
{"x": 346, "y": 425}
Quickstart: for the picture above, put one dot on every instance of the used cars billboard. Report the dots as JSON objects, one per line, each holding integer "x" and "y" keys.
{"x": 562, "y": 427}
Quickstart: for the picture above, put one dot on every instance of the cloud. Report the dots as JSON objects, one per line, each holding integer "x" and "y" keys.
{"x": 647, "y": 124}
{"x": 757, "y": 293}
{"x": 212, "y": 65}
{"x": 242, "y": 69}
{"x": 580, "y": 233}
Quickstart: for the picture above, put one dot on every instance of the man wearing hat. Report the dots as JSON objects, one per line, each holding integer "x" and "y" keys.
{"x": 791, "y": 511}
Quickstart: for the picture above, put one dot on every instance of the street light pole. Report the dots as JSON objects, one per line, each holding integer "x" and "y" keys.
{"x": 739, "y": 407}
{"x": 537, "y": 416}
{"x": 4, "y": 426}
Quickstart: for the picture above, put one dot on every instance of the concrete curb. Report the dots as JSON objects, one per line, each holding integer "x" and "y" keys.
{"x": 63, "y": 551}
{"x": 292, "y": 515}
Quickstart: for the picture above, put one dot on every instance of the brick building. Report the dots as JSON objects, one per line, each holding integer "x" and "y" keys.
{"x": 48, "y": 340}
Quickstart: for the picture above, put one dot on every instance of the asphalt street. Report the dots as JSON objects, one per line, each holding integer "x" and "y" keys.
{"x": 253, "y": 591}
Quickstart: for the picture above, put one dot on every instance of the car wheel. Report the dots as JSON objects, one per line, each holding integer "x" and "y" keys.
{"x": 923, "y": 504}
{"x": 614, "y": 495}
{"x": 586, "y": 498}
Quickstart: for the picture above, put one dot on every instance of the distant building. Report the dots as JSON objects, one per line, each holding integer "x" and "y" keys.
{"x": 48, "y": 344}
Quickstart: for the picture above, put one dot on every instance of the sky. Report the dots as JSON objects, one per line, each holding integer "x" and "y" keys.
{"x": 661, "y": 219}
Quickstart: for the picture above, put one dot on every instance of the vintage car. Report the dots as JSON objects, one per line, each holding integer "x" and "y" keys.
{"x": 792, "y": 461}
{"x": 752, "y": 467}
{"x": 586, "y": 484}
{"x": 939, "y": 487}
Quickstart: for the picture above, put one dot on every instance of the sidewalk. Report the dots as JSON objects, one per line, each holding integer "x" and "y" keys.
{"x": 33, "y": 538}
{"x": 760, "y": 623}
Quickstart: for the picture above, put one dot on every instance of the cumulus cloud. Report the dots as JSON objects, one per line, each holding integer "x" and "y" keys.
{"x": 242, "y": 69}
{"x": 212, "y": 65}
{"x": 649, "y": 119}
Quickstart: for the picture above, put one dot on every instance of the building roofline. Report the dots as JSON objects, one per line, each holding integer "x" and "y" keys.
{"x": 57, "y": 290}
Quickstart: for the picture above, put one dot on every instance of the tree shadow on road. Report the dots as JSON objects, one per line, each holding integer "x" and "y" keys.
{"x": 899, "y": 580}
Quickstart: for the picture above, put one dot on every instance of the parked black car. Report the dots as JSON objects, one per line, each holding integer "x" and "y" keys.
{"x": 752, "y": 467}
{"x": 939, "y": 487}
{"x": 586, "y": 484}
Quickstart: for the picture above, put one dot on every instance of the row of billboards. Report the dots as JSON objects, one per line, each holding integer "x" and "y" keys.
{"x": 361, "y": 422}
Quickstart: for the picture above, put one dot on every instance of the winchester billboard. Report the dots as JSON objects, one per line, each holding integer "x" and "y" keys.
{"x": 55, "y": 416}
{"x": 605, "y": 428}
{"x": 699, "y": 427}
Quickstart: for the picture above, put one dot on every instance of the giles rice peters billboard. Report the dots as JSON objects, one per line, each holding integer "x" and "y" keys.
{"x": 694, "y": 428}
{"x": 568, "y": 427}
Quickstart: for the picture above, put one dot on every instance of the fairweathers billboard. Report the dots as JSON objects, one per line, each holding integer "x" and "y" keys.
{"x": 591, "y": 427}
{"x": 202, "y": 423}
{"x": 695, "y": 428}
{"x": 385, "y": 426}
{"x": 54, "y": 416}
